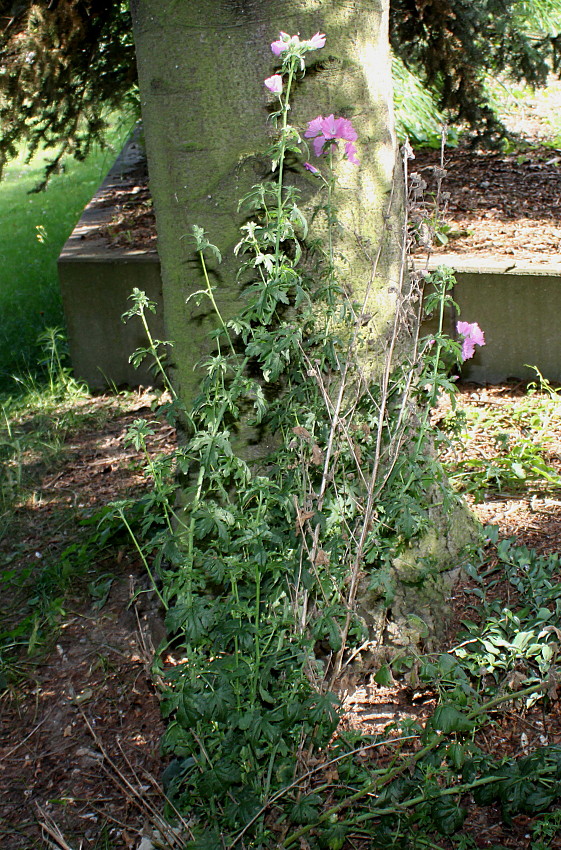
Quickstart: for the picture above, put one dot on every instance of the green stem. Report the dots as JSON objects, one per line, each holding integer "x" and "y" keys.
{"x": 155, "y": 355}
{"x": 285, "y": 107}
{"x": 210, "y": 294}
{"x": 423, "y": 798}
{"x": 143, "y": 558}
{"x": 200, "y": 482}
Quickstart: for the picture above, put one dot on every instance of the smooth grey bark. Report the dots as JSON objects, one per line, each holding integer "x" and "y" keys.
{"x": 201, "y": 70}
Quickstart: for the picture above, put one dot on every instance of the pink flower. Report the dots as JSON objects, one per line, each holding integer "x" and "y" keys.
{"x": 314, "y": 127}
{"x": 281, "y": 44}
{"x": 350, "y": 153}
{"x": 316, "y": 41}
{"x": 323, "y": 130}
{"x": 318, "y": 144}
{"x": 311, "y": 168}
{"x": 472, "y": 336}
{"x": 274, "y": 83}
{"x": 285, "y": 40}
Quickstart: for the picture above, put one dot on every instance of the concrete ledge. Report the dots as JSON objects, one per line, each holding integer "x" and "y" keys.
{"x": 518, "y": 306}
{"x": 96, "y": 280}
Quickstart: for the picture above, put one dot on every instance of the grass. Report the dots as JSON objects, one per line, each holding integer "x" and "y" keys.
{"x": 510, "y": 100}
{"x": 34, "y": 229}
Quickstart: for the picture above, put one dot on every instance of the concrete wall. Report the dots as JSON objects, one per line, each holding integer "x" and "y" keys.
{"x": 96, "y": 279}
{"x": 95, "y": 290}
{"x": 518, "y": 307}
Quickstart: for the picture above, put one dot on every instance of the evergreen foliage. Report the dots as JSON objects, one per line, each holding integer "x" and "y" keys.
{"x": 454, "y": 44}
{"x": 65, "y": 64}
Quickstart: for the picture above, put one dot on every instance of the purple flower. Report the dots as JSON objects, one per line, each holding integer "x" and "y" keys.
{"x": 326, "y": 130}
{"x": 274, "y": 83}
{"x": 472, "y": 336}
{"x": 311, "y": 168}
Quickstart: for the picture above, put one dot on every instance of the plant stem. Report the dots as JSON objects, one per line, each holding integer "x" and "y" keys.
{"x": 155, "y": 355}
{"x": 210, "y": 294}
{"x": 375, "y": 786}
{"x": 143, "y": 558}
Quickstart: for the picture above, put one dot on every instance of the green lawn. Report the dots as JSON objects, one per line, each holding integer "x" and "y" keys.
{"x": 33, "y": 230}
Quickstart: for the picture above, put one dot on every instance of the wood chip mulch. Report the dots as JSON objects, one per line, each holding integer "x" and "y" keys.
{"x": 80, "y": 728}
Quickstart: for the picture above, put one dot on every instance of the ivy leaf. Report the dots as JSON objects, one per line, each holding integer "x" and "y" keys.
{"x": 384, "y": 676}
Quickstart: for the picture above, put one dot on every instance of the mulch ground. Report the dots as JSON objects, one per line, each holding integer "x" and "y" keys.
{"x": 497, "y": 205}
{"x": 80, "y": 724}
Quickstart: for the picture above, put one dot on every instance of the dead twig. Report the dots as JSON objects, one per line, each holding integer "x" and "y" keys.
{"x": 134, "y": 794}
{"x": 49, "y": 826}
{"x": 27, "y": 737}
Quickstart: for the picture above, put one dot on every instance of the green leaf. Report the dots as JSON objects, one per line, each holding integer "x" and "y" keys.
{"x": 447, "y": 815}
{"x": 447, "y": 719}
{"x": 456, "y": 754}
{"x": 306, "y": 810}
{"x": 333, "y": 838}
{"x": 384, "y": 676}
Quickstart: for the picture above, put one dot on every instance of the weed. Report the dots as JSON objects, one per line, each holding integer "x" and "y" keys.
{"x": 520, "y": 436}
{"x": 34, "y": 423}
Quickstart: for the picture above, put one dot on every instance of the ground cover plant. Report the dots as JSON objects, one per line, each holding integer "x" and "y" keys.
{"x": 519, "y": 449}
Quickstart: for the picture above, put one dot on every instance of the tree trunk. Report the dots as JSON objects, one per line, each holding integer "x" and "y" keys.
{"x": 205, "y": 109}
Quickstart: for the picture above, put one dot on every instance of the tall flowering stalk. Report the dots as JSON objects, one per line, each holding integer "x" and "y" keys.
{"x": 292, "y": 51}
{"x": 267, "y": 555}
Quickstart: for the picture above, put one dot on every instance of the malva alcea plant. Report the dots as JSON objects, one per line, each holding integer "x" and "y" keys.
{"x": 260, "y": 576}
